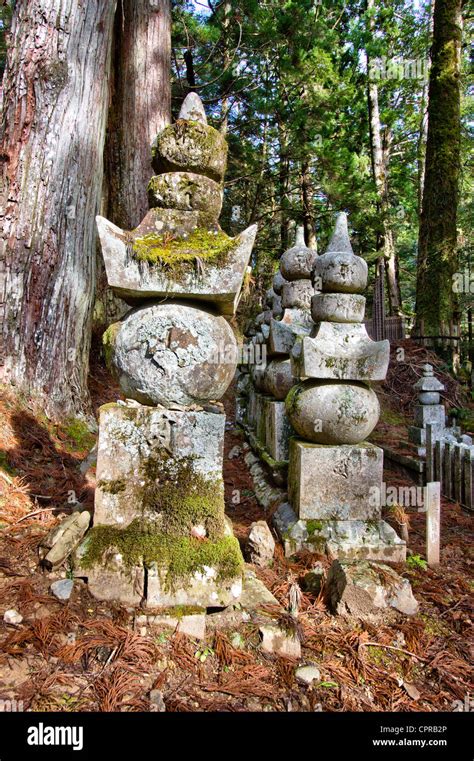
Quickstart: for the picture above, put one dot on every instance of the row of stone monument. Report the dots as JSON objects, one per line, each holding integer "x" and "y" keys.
{"x": 160, "y": 536}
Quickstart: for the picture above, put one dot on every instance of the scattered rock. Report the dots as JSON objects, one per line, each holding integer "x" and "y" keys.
{"x": 63, "y": 539}
{"x": 308, "y": 674}
{"x": 12, "y": 616}
{"x": 367, "y": 590}
{"x": 235, "y": 452}
{"x": 157, "y": 704}
{"x": 280, "y": 642}
{"x": 260, "y": 544}
{"x": 312, "y": 581}
{"x": 62, "y": 589}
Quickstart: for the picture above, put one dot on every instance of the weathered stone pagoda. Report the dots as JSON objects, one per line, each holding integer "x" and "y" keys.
{"x": 334, "y": 472}
{"x": 160, "y": 537}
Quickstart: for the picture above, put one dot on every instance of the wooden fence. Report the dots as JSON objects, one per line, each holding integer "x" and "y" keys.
{"x": 452, "y": 464}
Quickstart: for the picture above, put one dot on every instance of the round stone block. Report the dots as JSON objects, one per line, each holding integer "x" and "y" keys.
{"x": 298, "y": 262}
{"x": 278, "y": 378}
{"x": 172, "y": 353}
{"x": 189, "y": 146}
{"x": 340, "y": 272}
{"x": 297, "y": 294}
{"x": 185, "y": 191}
{"x": 337, "y": 307}
{"x": 278, "y": 282}
{"x": 429, "y": 397}
{"x": 333, "y": 413}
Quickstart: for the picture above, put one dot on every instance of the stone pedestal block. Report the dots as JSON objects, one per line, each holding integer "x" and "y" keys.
{"x": 430, "y": 413}
{"x": 278, "y": 430}
{"x": 349, "y": 540}
{"x": 131, "y": 437}
{"x": 283, "y": 333}
{"x": 202, "y": 588}
{"x": 335, "y": 482}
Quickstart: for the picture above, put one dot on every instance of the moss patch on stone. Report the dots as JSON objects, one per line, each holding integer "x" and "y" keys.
{"x": 182, "y": 556}
{"x": 79, "y": 435}
{"x": 108, "y": 342}
{"x": 181, "y": 256}
{"x": 182, "y": 496}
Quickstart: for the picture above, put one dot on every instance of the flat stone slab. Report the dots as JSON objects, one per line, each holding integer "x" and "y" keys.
{"x": 191, "y": 624}
{"x": 335, "y": 482}
{"x": 351, "y": 540}
{"x": 203, "y": 589}
{"x": 278, "y": 430}
{"x": 134, "y": 280}
{"x": 130, "y": 436}
{"x": 340, "y": 351}
{"x": 112, "y": 580}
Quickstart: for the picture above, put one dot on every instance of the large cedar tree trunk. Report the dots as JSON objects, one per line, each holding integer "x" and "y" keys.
{"x": 436, "y": 302}
{"x": 140, "y": 107}
{"x": 51, "y": 145}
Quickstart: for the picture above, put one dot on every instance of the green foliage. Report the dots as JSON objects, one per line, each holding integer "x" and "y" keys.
{"x": 416, "y": 562}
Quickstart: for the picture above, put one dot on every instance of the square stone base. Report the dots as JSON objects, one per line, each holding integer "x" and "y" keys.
{"x": 349, "y": 540}
{"x": 129, "y": 436}
{"x": 201, "y": 589}
{"x": 335, "y": 482}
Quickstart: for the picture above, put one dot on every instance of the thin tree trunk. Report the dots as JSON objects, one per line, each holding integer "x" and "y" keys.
{"x": 436, "y": 301}
{"x": 51, "y": 144}
{"x": 284, "y": 185}
{"x": 380, "y": 157}
{"x": 306, "y": 203}
{"x": 225, "y": 106}
{"x": 140, "y": 107}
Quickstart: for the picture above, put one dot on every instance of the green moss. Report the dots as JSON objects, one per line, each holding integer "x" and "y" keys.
{"x": 292, "y": 400}
{"x": 139, "y": 544}
{"x": 182, "y": 496}
{"x": 112, "y": 487}
{"x": 79, "y": 435}
{"x": 5, "y": 465}
{"x": 108, "y": 342}
{"x": 179, "y": 256}
{"x": 312, "y": 526}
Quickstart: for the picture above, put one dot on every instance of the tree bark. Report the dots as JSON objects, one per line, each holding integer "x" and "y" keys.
{"x": 436, "y": 301}
{"x": 308, "y": 216}
{"x": 51, "y": 144}
{"x": 140, "y": 107}
{"x": 380, "y": 157}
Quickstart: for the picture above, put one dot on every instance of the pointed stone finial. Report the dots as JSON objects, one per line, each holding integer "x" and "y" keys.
{"x": 300, "y": 241}
{"x": 193, "y": 109}
{"x": 340, "y": 241}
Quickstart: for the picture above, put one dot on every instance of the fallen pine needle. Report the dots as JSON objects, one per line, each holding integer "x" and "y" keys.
{"x": 392, "y": 647}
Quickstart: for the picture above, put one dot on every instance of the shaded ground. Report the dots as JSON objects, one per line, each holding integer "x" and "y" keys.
{"x": 84, "y": 655}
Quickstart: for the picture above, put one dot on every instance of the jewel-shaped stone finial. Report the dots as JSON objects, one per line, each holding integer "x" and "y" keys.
{"x": 193, "y": 109}
{"x": 340, "y": 241}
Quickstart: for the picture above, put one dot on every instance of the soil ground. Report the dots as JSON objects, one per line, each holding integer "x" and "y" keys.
{"x": 85, "y": 655}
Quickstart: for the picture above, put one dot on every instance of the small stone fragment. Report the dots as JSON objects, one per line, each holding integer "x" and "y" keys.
{"x": 157, "y": 704}
{"x": 261, "y": 544}
{"x": 62, "y": 589}
{"x": 308, "y": 674}
{"x": 279, "y": 642}
{"x": 12, "y": 616}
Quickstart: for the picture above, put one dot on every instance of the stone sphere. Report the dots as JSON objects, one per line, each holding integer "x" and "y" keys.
{"x": 172, "y": 354}
{"x": 297, "y": 263}
{"x": 278, "y": 378}
{"x": 333, "y": 413}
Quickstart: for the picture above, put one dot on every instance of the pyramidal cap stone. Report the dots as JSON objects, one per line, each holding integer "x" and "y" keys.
{"x": 283, "y": 333}
{"x": 340, "y": 351}
{"x": 297, "y": 263}
{"x": 135, "y": 280}
{"x": 338, "y": 270}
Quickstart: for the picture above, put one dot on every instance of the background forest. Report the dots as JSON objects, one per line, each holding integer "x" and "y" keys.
{"x": 326, "y": 106}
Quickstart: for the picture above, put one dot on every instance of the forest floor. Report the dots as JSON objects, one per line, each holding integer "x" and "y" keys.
{"x": 84, "y": 655}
